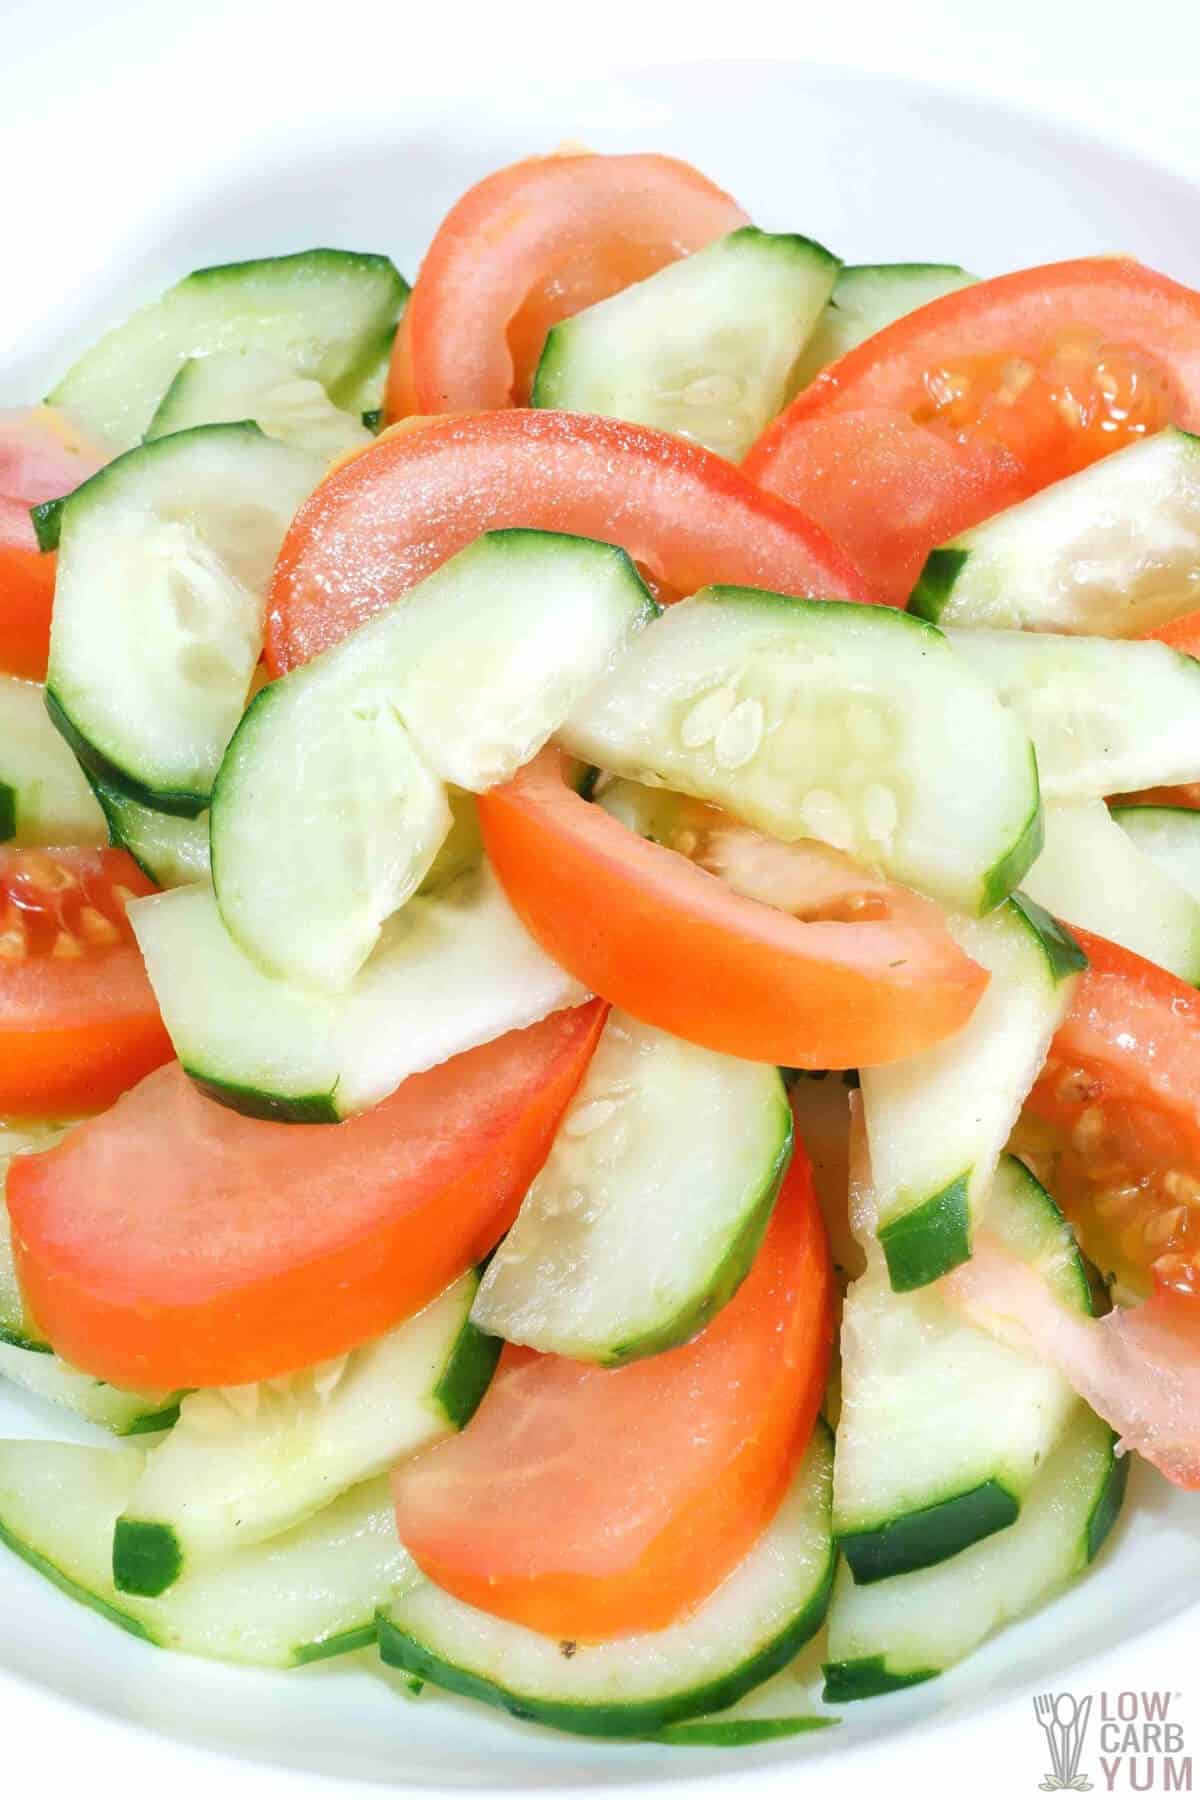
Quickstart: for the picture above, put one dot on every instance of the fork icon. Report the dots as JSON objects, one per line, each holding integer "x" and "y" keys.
{"x": 1064, "y": 1721}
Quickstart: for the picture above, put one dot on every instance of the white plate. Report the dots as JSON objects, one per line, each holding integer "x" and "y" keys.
{"x": 879, "y": 170}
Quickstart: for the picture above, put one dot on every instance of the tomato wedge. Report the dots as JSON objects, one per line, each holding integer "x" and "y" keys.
{"x": 173, "y": 1243}
{"x": 528, "y": 246}
{"x": 390, "y": 516}
{"x": 41, "y": 457}
{"x": 78, "y": 1019}
{"x": 1113, "y": 1121}
{"x": 978, "y": 400}
{"x": 674, "y": 946}
{"x": 589, "y": 1503}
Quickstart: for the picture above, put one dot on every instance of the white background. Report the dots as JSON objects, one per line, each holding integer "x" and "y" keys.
{"x": 87, "y": 92}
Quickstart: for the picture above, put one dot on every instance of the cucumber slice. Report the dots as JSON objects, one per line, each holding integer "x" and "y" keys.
{"x": 891, "y": 1634}
{"x": 943, "y": 1428}
{"x": 866, "y": 297}
{"x": 44, "y": 797}
{"x": 465, "y": 676}
{"x": 453, "y": 969}
{"x": 246, "y": 1463}
{"x": 1105, "y": 717}
{"x": 751, "y": 1626}
{"x": 19, "y": 1139}
{"x": 231, "y": 385}
{"x": 118, "y": 1411}
{"x": 1110, "y": 552}
{"x": 1169, "y": 836}
{"x": 1094, "y": 874}
{"x": 708, "y": 1136}
{"x": 936, "y": 1123}
{"x": 26, "y": 1357}
{"x": 704, "y": 348}
{"x": 163, "y": 564}
{"x": 170, "y": 850}
{"x": 309, "y": 1593}
{"x": 328, "y": 314}
{"x": 817, "y": 718}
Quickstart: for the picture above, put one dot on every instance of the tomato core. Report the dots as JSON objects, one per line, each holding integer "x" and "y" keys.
{"x": 53, "y": 909}
{"x": 1078, "y": 399}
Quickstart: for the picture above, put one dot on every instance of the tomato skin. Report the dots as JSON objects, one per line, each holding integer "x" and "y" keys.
{"x": 529, "y": 245}
{"x": 863, "y": 405}
{"x": 390, "y": 516}
{"x": 174, "y": 1243}
{"x": 589, "y": 1503}
{"x": 672, "y": 945}
{"x": 41, "y": 457}
{"x": 80, "y": 1025}
{"x": 1134, "y": 1030}
{"x": 26, "y": 600}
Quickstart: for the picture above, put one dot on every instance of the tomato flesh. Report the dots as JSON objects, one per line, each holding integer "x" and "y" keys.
{"x": 590, "y": 1503}
{"x": 174, "y": 1243}
{"x": 1112, "y": 1125}
{"x": 993, "y": 392}
{"x": 78, "y": 1019}
{"x": 872, "y": 977}
{"x": 390, "y": 516}
{"x": 530, "y": 245}
{"x": 41, "y": 457}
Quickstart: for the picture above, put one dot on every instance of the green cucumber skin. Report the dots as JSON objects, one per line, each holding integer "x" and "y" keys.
{"x": 640, "y": 1719}
{"x": 147, "y": 1558}
{"x": 1004, "y": 876}
{"x": 1064, "y": 953}
{"x": 729, "y": 1274}
{"x": 931, "y": 1240}
{"x": 94, "y": 763}
{"x": 253, "y": 1103}
{"x": 916, "y": 1540}
{"x": 71, "y": 1589}
{"x": 155, "y": 1421}
{"x": 865, "y": 1678}
{"x": 359, "y": 1637}
{"x": 936, "y": 582}
{"x": 737, "y": 1734}
{"x": 20, "y": 1341}
{"x": 47, "y": 521}
{"x": 8, "y": 813}
{"x": 1109, "y": 1502}
{"x": 468, "y": 1373}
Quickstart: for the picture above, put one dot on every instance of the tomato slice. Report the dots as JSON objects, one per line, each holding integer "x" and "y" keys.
{"x": 1181, "y": 634}
{"x": 173, "y": 1243}
{"x": 41, "y": 457}
{"x": 529, "y": 246}
{"x": 589, "y": 1503}
{"x": 1113, "y": 1122}
{"x": 392, "y": 515}
{"x": 673, "y": 945}
{"x": 978, "y": 400}
{"x": 78, "y": 1019}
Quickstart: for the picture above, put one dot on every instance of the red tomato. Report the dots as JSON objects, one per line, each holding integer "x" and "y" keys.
{"x": 41, "y": 457}
{"x": 978, "y": 400}
{"x": 1182, "y": 634}
{"x": 671, "y": 943}
{"x": 393, "y": 514}
{"x": 529, "y": 246}
{"x": 1113, "y": 1122}
{"x": 588, "y": 1502}
{"x": 78, "y": 1020}
{"x": 174, "y": 1243}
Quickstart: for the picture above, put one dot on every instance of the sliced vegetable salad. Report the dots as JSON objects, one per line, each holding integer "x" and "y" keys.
{"x": 599, "y": 945}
